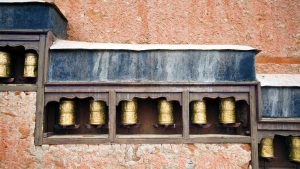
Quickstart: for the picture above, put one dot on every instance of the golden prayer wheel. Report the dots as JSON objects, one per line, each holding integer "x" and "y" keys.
{"x": 5, "y": 64}
{"x": 129, "y": 112}
{"x": 97, "y": 112}
{"x": 199, "y": 112}
{"x": 227, "y": 111}
{"x": 165, "y": 112}
{"x": 266, "y": 148}
{"x": 294, "y": 144}
{"x": 66, "y": 113}
{"x": 30, "y": 65}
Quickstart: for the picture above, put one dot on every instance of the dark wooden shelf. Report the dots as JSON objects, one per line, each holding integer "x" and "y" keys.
{"x": 220, "y": 138}
{"x": 280, "y": 120}
{"x": 18, "y": 87}
{"x": 77, "y": 139}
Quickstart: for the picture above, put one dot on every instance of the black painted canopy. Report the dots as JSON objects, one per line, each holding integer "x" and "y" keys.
{"x": 33, "y": 15}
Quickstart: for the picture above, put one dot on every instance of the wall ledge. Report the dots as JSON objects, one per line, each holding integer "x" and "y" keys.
{"x": 71, "y": 45}
{"x": 279, "y": 80}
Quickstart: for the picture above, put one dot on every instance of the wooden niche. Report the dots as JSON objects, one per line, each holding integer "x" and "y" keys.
{"x": 213, "y": 123}
{"x": 21, "y": 63}
{"x": 281, "y": 154}
{"x": 147, "y": 124}
{"x": 82, "y": 115}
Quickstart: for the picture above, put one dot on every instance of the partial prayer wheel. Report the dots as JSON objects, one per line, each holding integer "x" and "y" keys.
{"x": 227, "y": 111}
{"x": 129, "y": 112}
{"x": 97, "y": 112}
{"x": 165, "y": 112}
{"x": 5, "y": 61}
{"x": 30, "y": 65}
{"x": 199, "y": 112}
{"x": 294, "y": 145}
{"x": 66, "y": 113}
{"x": 266, "y": 148}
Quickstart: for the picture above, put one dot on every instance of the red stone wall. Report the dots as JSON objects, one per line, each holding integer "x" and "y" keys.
{"x": 17, "y": 150}
{"x": 271, "y": 26}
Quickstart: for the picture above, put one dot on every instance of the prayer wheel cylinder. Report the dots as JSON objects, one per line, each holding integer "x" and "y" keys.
{"x": 5, "y": 60}
{"x": 266, "y": 148}
{"x": 97, "y": 112}
{"x": 165, "y": 112}
{"x": 66, "y": 113}
{"x": 294, "y": 152}
{"x": 30, "y": 65}
{"x": 199, "y": 112}
{"x": 227, "y": 111}
{"x": 129, "y": 112}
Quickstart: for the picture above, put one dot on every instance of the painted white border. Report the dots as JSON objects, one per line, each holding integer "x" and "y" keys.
{"x": 66, "y": 44}
{"x": 279, "y": 79}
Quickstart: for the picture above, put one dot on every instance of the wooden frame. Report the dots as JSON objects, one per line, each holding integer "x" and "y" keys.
{"x": 40, "y": 41}
{"x": 112, "y": 93}
{"x": 181, "y": 92}
{"x": 273, "y": 120}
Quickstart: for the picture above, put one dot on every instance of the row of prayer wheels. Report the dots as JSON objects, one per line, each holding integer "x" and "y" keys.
{"x": 164, "y": 107}
{"x": 67, "y": 108}
{"x": 267, "y": 148}
{"x": 30, "y": 65}
{"x": 227, "y": 113}
{"x": 166, "y": 117}
{"x": 130, "y": 117}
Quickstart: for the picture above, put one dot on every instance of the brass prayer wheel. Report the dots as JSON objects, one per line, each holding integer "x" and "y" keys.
{"x": 5, "y": 64}
{"x": 30, "y": 66}
{"x": 129, "y": 112}
{"x": 266, "y": 148}
{"x": 165, "y": 112}
{"x": 294, "y": 145}
{"x": 66, "y": 113}
{"x": 227, "y": 111}
{"x": 97, "y": 112}
{"x": 199, "y": 112}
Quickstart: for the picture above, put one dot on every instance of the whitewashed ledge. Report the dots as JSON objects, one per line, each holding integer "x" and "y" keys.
{"x": 283, "y": 80}
{"x": 20, "y": 1}
{"x": 69, "y": 45}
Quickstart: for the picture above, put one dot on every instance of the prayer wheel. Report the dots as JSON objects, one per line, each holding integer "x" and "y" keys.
{"x": 165, "y": 112}
{"x": 266, "y": 148}
{"x": 199, "y": 112}
{"x": 97, "y": 112}
{"x": 5, "y": 60}
{"x": 66, "y": 113}
{"x": 294, "y": 152}
{"x": 129, "y": 112}
{"x": 227, "y": 111}
{"x": 30, "y": 65}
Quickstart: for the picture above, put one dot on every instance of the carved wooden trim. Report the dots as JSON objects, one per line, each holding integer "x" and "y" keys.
{"x": 57, "y": 96}
{"x": 238, "y": 96}
{"x": 152, "y": 95}
{"x": 26, "y": 45}
{"x": 263, "y": 134}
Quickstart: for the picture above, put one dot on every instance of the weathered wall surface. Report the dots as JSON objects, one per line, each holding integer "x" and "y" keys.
{"x": 272, "y": 26}
{"x": 17, "y": 150}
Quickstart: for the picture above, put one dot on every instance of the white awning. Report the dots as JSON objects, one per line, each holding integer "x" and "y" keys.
{"x": 279, "y": 79}
{"x": 69, "y": 45}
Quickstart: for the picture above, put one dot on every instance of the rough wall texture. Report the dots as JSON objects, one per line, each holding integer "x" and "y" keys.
{"x": 270, "y": 25}
{"x": 17, "y": 150}
{"x": 273, "y": 26}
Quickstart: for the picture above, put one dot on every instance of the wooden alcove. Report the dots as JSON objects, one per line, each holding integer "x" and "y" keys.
{"x": 17, "y": 56}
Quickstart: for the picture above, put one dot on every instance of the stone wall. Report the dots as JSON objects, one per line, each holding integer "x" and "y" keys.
{"x": 17, "y": 150}
{"x": 271, "y": 26}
